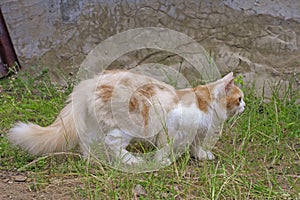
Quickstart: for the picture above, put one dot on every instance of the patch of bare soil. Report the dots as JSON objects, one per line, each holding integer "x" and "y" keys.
{"x": 17, "y": 185}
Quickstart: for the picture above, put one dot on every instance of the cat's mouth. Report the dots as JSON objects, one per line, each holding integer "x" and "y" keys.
{"x": 241, "y": 110}
{"x": 237, "y": 112}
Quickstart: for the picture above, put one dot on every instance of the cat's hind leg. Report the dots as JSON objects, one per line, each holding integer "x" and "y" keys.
{"x": 117, "y": 141}
{"x": 163, "y": 156}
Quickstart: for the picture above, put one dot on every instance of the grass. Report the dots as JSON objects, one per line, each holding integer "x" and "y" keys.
{"x": 257, "y": 155}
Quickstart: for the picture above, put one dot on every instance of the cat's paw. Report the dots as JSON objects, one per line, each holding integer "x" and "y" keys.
{"x": 162, "y": 160}
{"x": 204, "y": 155}
{"x": 166, "y": 162}
{"x": 210, "y": 155}
{"x": 131, "y": 160}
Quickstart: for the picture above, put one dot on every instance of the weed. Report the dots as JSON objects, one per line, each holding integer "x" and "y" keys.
{"x": 257, "y": 155}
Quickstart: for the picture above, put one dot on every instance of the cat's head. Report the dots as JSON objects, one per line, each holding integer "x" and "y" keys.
{"x": 228, "y": 95}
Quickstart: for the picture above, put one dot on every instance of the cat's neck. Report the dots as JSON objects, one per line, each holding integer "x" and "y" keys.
{"x": 201, "y": 96}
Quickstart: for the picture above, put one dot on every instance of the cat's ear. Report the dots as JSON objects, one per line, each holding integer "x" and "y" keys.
{"x": 223, "y": 86}
{"x": 228, "y": 80}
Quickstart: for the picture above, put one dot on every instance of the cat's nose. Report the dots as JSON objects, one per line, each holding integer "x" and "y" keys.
{"x": 243, "y": 104}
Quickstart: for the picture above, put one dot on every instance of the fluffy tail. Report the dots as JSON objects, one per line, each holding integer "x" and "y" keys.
{"x": 37, "y": 140}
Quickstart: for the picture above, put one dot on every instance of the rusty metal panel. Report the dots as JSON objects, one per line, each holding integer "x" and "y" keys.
{"x": 9, "y": 60}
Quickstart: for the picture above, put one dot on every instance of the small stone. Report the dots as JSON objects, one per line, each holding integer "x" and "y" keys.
{"x": 139, "y": 191}
{"x": 19, "y": 178}
{"x": 6, "y": 180}
{"x": 165, "y": 195}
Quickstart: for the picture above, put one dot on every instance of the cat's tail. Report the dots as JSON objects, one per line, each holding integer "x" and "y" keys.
{"x": 60, "y": 136}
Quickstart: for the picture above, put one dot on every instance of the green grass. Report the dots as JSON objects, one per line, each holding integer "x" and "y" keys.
{"x": 257, "y": 155}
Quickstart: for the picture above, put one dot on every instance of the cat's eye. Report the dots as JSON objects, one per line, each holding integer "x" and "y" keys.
{"x": 240, "y": 99}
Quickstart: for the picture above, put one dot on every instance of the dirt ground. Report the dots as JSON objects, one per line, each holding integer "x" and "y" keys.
{"x": 17, "y": 186}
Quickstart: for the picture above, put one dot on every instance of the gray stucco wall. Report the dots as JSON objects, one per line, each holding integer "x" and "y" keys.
{"x": 259, "y": 39}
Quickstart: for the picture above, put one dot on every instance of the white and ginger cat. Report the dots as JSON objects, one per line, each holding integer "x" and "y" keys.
{"x": 119, "y": 106}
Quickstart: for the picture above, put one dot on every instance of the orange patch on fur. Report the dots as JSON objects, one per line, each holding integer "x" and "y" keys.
{"x": 105, "y": 92}
{"x": 203, "y": 97}
{"x": 147, "y": 91}
{"x": 201, "y": 93}
{"x": 145, "y": 113}
{"x": 133, "y": 104}
{"x": 141, "y": 107}
{"x": 139, "y": 101}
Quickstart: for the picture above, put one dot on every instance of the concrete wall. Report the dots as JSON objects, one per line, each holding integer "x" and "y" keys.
{"x": 259, "y": 39}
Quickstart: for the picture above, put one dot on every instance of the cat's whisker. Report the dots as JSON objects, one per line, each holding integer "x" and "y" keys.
{"x": 235, "y": 118}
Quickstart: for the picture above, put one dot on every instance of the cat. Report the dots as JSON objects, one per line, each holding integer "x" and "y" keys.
{"x": 119, "y": 106}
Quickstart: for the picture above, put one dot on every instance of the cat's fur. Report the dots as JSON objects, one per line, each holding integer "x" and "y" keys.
{"x": 119, "y": 106}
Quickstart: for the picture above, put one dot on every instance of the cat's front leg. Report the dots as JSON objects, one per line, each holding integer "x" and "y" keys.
{"x": 128, "y": 158}
{"x": 198, "y": 152}
{"x": 204, "y": 142}
{"x": 173, "y": 146}
{"x": 162, "y": 156}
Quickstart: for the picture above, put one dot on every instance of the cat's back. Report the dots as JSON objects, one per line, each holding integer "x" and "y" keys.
{"x": 126, "y": 78}
{"x": 122, "y": 83}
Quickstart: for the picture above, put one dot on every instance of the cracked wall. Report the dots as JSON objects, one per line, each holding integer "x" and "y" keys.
{"x": 259, "y": 39}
